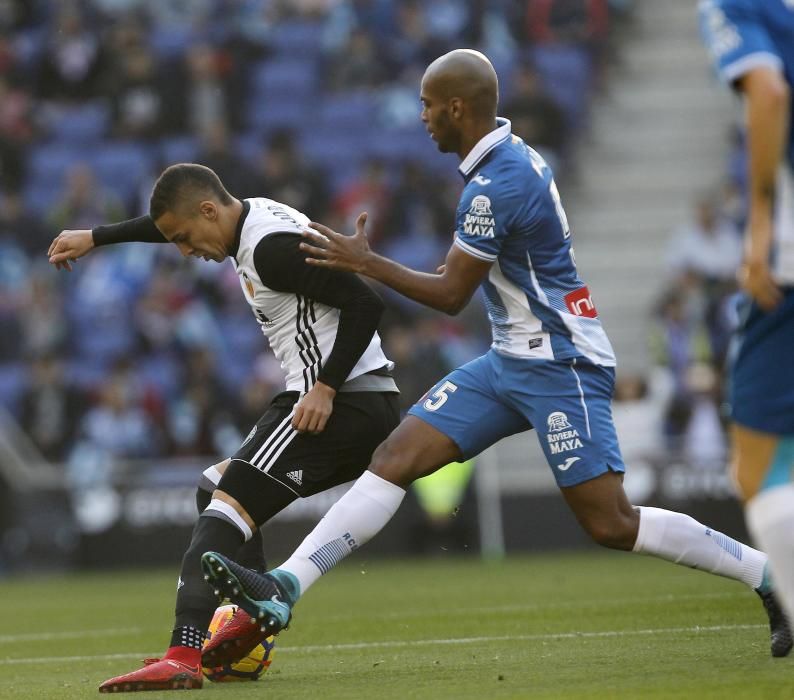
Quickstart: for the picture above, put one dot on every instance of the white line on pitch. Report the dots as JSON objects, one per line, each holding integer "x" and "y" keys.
{"x": 396, "y": 644}
{"x": 519, "y": 638}
{"x": 72, "y": 634}
{"x": 521, "y": 607}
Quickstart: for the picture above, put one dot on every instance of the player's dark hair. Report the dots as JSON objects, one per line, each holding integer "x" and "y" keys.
{"x": 184, "y": 184}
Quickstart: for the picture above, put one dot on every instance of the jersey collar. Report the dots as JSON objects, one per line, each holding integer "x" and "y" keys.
{"x": 485, "y": 145}
{"x": 239, "y": 230}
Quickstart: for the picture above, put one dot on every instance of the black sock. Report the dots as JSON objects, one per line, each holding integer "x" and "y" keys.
{"x": 195, "y": 600}
{"x": 187, "y": 636}
{"x": 203, "y": 498}
{"x": 252, "y": 553}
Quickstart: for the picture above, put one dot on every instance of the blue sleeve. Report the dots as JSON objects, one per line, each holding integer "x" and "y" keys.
{"x": 486, "y": 215}
{"x": 735, "y": 34}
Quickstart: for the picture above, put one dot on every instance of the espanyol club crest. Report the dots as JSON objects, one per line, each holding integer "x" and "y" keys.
{"x": 480, "y": 206}
{"x": 557, "y": 421}
{"x": 562, "y": 436}
{"x": 479, "y": 219}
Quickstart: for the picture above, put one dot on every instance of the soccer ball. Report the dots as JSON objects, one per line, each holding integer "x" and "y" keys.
{"x": 249, "y": 668}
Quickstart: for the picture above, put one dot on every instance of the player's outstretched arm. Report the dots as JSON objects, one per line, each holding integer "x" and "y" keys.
{"x": 767, "y": 114}
{"x": 448, "y": 291}
{"x": 70, "y": 245}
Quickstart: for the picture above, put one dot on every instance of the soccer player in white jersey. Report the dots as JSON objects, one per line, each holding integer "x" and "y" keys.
{"x": 550, "y": 366}
{"x": 752, "y": 44}
{"x": 340, "y": 400}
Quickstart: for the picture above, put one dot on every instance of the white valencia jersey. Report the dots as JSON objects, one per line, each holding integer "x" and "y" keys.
{"x": 301, "y": 331}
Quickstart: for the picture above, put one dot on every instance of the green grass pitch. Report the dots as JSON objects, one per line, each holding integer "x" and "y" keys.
{"x": 595, "y": 625}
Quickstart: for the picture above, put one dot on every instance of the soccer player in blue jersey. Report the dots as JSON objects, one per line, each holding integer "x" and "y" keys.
{"x": 752, "y": 43}
{"x": 550, "y": 367}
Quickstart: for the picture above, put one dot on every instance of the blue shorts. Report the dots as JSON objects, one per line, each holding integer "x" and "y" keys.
{"x": 761, "y": 386}
{"x": 568, "y": 402}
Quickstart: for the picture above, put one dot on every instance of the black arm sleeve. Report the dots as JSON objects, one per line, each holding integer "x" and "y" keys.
{"x": 281, "y": 266}
{"x": 140, "y": 229}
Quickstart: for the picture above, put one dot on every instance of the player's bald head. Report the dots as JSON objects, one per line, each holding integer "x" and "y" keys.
{"x": 467, "y": 75}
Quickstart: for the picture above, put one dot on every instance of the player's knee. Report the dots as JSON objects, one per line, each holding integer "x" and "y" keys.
{"x": 392, "y": 464}
{"x": 616, "y": 532}
{"x": 208, "y": 482}
{"x": 251, "y": 493}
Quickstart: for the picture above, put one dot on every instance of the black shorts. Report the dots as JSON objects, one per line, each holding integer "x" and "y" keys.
{"x": 307, "y": 464}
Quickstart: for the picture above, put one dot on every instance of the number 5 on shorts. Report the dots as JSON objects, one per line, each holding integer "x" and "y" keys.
{"x": 439, "y": 396}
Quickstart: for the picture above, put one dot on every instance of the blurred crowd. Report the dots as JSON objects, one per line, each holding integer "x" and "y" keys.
{"x": 138, "y": 353}
{"x": 697, "y": 313}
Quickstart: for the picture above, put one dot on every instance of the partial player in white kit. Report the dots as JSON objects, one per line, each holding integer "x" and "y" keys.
{"x": 340, "y": 400}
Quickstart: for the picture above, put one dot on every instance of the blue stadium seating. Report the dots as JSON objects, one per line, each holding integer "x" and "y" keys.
{"x": 178, "y": 149}
{"x": 333, "y": 148}
{"x": 13, "y": 380}
{"x": 266, "y": 112}
{"x": 171, "y": 41}
{"x": 48, "y": 165}
{"x": 347, "y": 110}
{"x": 284, "y": 77}
{"x": 296, "y": 36}
{"x": 566, "y": 72}
{"x": 82, "y": 124}
{"x": 123, "y": 167}
{"x": 248, "y": 146}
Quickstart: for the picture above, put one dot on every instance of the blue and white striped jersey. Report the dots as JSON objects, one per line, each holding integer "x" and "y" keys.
{"x": 510, "y": 214}
{"x": 742, "y": 35}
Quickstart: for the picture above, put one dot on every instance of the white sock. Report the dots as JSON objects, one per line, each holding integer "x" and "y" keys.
{"x": 352, "y": 521}
{"x": 683, "y": 540}
{"x": 770, "y": 519}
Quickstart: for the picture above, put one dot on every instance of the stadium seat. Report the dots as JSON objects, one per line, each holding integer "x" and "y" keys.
{"x": 29, "y": 44}
{"x": 347, "y": 110}
{"x": 178, "y": 149}
{"x": 41, "y": 196}
{"x": 566, "y": 72}
{"x": 284, "y": 77}
{"x": 83, "y": 124}
{"x": 248, "y": 146}
{"x": 171, "y": 41}
{"x": 13, "y": 380}
{"x": 49, "y": 163}
{"x": 332, "y": 148}
{"x": 122, "y": 167}
{"x": 401, "y": 145}
{"x": 298, "y": 36}
{"x": 162, "y": 371}
{"x": 264, "y": 113}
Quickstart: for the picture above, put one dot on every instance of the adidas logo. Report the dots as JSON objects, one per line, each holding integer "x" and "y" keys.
{"x": 296, "y": 476}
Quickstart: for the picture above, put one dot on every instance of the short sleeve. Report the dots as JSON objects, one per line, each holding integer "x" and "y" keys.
{"x": 485, "y": 215}
{"x": 736, "y": 37}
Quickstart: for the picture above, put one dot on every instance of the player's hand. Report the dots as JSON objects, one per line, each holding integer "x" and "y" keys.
{"x": 756, "y": 279}
{"x": 328, "y": 248}
{"x": 440, "y": 269}
{"x": 68, "y": 246}
{"x": 314, "y": 409}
